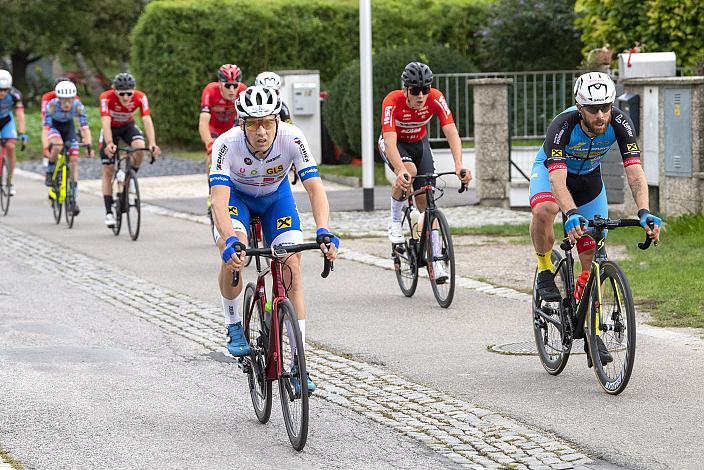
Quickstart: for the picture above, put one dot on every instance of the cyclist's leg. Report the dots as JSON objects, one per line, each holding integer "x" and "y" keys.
{"x": 398, "y": 202}
{"x": 8, "y": 133}
{"x": 423, "y": 159}
{"x": 108, "y": 163}
{"x": 134, "y": 136}
{"x": 589, "y": 194}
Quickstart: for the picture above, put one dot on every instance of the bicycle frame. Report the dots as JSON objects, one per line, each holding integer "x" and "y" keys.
{"x": 60, "y": 167}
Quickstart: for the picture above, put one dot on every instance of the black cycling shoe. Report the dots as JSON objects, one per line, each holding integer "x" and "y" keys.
{"x": 604, "y": 355}
{"x": 76, "y": 209}
{"x": 546, "y": 287}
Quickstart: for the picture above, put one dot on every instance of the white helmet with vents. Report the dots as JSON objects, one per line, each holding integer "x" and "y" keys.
{"x": 65, "y": 89}
{"x": 5, "y": 79}
{"x": 269, "y": 80}
{"x": 257, "y": 102}
{"x": 594, "y": 88}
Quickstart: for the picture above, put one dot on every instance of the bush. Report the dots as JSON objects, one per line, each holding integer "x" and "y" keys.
{"x": 177, "y": 45}
{"x": 342, "y": 109}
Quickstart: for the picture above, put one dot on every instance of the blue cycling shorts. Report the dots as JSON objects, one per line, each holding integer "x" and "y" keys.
{"x": 8, "y": 130}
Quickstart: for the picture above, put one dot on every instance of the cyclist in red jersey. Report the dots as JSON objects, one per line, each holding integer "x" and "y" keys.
{"x": 46, "y": 97}
{"x": 404, "y": 144}
{"x": 117, "y": 108}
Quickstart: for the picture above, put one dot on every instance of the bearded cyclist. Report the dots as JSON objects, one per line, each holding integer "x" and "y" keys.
{"x": 11, "y": 99}
{"x": 248, "y": 177}
{"x": 566, "y": 177}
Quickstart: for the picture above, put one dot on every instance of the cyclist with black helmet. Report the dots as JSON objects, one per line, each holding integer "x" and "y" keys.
{"x": 566, "y": 177}
{"x": 248, "y": 176}
{"x": 117, "y": 108}
{"x": 404, "y": 143}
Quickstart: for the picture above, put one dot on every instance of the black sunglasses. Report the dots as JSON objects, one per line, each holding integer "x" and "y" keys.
{"x": 415, "y": 90}
{"x": 595, "y": 108}
{"x": 230, "y": 85}
{"x": 125, "y": 93}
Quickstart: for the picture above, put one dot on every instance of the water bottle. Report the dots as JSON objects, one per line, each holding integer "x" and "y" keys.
{"x": 415, "y": 223}
{"x": 120, "y": 176}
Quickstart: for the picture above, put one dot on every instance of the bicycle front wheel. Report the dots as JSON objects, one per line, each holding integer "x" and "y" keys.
{"x": 441, "y": 259}
{"x": 4, "y": 186}
{"x": 257, "y": 335}
{"x": 56, "y": 199}
{"x": 553, "y": 349}
{"x": 613, "y": 320}
{"x": 294, "y": 400}
{"x": 70, "y": 201}
{"x": 133, "y": 207}
{"x": 118, "y": 204}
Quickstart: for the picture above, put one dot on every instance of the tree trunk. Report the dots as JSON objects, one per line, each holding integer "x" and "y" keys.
{"x": 20, "y": 61}
{"x": 93, "y": 84}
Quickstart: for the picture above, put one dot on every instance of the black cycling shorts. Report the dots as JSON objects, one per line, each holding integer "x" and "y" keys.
{"x": 128, "y": 133}
{"x": 419, "y": 153}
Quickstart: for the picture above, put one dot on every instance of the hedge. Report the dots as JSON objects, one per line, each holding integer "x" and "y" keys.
{"x": 342, "y": 108}
{"x": 177, "y": 45}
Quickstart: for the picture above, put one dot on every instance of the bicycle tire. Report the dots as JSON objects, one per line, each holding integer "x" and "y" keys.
{"x": 443, "y": 292}
{"x": 132, "y": 204}
{"x": 118, "y": 204}
{"x": 70, "y": 200}
{"x": 406, "y": 260}
{"x": 56, "y": 205}
{"x": 548, "y": 338}
{"x": 259, "y": 387}
{"x": 296, "y": 426}
{"x": 614, "y": 288}
{"x": 4, "y": 186}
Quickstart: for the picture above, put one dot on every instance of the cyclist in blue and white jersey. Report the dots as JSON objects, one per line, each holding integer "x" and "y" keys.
{"x": 59, "y": 129}
{"x": 10, "y": 99}
{"x": 566, "y": 177}
{"x": 248, "y": 176}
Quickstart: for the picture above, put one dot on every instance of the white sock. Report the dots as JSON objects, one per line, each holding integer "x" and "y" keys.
{"x": 397, "y": 210}
{"x": 231, "y": 308}
{"x": 291, "y": 339}
{"x": 435, "y": 240}
{"x": 302, "y": 327}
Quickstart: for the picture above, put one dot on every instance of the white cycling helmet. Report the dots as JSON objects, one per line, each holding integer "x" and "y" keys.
{"x": 65, "y": 89}
{"x": 594, "y": 88}
{"x": 269, "y": 80}
{"x": 5, "y": 79}
{"x": 257, "y": 102}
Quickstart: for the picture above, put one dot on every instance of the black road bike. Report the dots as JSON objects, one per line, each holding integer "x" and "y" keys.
{"x": 125, "y": 187}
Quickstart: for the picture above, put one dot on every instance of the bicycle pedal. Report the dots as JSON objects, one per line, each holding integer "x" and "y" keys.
{"x": 244, "y": 365}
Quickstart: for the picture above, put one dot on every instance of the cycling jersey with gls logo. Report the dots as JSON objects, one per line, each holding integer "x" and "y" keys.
{"x": 235, "y": 166}
{"x": 568, "y": 147}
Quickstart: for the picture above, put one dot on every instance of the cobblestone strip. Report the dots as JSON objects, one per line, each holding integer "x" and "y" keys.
{"x": 470, "y": 436}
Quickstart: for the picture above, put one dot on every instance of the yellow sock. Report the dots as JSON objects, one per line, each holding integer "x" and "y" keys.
{"x": 545, "y": 261}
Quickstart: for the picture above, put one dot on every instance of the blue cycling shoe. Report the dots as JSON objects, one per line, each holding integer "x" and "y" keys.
{"x": 295, "y": 381}
{"x": 237, "y": 344}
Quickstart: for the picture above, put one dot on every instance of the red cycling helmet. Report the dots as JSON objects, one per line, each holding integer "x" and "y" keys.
{"x": 229, "y": 73}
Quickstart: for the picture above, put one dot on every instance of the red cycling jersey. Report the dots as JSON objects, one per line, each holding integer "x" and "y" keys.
{"x": 120, "y": 114}
{"x": 46, "y": 97}
{"x": 410, "y": 125}
{"x": 222, "y": 112}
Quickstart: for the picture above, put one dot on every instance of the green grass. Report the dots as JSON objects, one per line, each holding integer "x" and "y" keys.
{"x": 355, "y": 171}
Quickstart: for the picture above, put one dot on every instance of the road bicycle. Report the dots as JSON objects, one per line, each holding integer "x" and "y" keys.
{"x": 604, "y": 310}
{"x": 417, "y": 249}
{"x": 62, "y": 186}
{"x": 127, "y": 201}
{"x": 271, "y": 328}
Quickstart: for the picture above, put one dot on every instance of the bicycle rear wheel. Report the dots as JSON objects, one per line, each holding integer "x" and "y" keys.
{"x": 118, "y": 204}
{"x": 133, "y": 207}
{"x": 70, "y": 201}
{"x": 405, "y": 259}
{"x": 55, "y": 201}
{"x": 615, "y": 323}
{"x": 293, "y": 362}
{"x": 4, "y": 186}
{"x": 256, "y": 333}
{"x": 443, "y": 289}
{"x": 553, "y": 349}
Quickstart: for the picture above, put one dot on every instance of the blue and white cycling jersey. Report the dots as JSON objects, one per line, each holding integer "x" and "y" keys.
{"x": 9, "y": 101}
{"x": 54, "y": 113}
{"x": 235, "y": 166}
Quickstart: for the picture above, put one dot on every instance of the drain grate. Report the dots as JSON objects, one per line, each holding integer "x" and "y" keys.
{"x": 527, "y": 348}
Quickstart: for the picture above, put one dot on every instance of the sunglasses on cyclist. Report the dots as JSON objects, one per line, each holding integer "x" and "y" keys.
{"x": 230, "y": 85}
{"x": 416, "y": 90}
{"x": 125, "y": 93}
{"x": 595, "y": 108}
{"x": 253, "y": 124}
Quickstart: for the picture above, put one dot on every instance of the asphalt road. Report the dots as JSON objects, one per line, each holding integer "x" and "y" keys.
{"x": 359, "y": 312}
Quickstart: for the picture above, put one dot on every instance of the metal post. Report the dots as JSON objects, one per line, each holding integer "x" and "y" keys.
{"x": 365, "y": 60}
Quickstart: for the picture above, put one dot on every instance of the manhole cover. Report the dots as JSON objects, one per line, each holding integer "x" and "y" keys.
{"x": 527, "y": 348}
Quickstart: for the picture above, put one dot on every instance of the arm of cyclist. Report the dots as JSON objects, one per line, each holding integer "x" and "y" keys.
{"x": 403, "y": 178}
{"x": 110, "y": 147}
{"x": 21, "y": 122}
{"x": 453, "y": 138}
{"x": 88, "y": 140}
{"x": 229, "y": 239}
{"x": 321, "y": 214}
{"x": 151, "y": 135}
{"x": 639, "y": 187}
{"x": 558, "y": 185}
{"x": 204, "y": 131}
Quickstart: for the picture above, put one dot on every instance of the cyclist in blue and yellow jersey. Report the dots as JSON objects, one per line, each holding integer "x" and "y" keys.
{"x": 566, "y": 177}
{"x": 59, "y": 128}
{"x": 11, "y": 99}
{"x": 248, "y": 176}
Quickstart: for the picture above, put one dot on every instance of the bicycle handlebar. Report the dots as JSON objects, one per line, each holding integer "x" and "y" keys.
{"x": 130, "y": 151}
{"x": 433, "y": 176}
{"x": 599, "y": 223}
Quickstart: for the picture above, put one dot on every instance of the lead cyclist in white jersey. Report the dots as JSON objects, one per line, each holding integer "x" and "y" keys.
{"x": 248, "y": 176}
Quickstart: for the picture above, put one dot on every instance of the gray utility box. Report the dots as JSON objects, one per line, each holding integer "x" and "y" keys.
{"x": 648, "y": 64}
{"x": 678, "y": 132}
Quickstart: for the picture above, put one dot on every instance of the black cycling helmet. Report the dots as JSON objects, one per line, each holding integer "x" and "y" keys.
{"x": 124, "y": 81}
{"x": 61, "y": 79}
{"x": 417, "y": 74}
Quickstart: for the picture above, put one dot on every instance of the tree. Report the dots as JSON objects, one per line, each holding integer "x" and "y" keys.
{"x": 531, "y": 35}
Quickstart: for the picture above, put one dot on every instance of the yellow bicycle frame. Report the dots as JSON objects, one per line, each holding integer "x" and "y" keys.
{"x": 60, "y": 164}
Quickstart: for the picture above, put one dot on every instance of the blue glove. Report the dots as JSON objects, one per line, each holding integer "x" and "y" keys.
{"x": 24, "y": 137}
{"x": 574, "y": 220}
{"x": 230, "y": 246}
{"x": 644, "y": 214}
{"x": 322, "y": 233}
